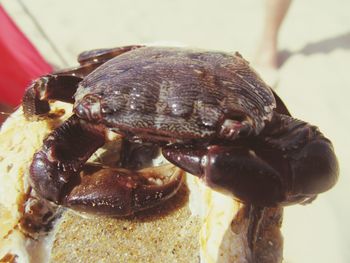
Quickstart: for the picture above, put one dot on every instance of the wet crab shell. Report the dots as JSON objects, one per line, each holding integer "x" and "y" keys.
{"x": 167, "y": 93}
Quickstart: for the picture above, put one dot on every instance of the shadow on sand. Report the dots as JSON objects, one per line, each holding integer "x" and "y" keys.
{"x": 324, "y": 46}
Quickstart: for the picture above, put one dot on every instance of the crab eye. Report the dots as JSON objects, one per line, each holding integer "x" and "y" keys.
{"x": 89, "y": 108}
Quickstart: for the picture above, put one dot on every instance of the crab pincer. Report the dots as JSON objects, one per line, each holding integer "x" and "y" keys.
{"x": 59, "y": 174}
{"x": 289, "y": 162}
{"x": 121, "y": 192}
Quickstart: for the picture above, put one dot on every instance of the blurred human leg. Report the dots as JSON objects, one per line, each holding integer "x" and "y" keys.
{"x": 275, "y": 12}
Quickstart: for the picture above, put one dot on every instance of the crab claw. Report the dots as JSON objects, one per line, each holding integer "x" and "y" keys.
{"x": 289, "y": 162}
{"x": 235, "y": 170}
{"x": 58, "y": 173}
{"x": 121, "y": 192}
{"x": 187, "y": 158}
{"x": 312, "y": 164}
{"x": 62, "y": 155}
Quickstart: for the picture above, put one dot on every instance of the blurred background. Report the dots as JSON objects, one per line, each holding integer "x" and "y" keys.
{"x": 313, "y": 77}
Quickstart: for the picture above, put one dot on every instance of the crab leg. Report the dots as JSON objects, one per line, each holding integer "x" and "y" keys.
{"x": 235, "y": 170}
{"x": 58, "y": 173}
{"x": 289, "y": 162}
{"x": 92, "y": 59}
{"x": 102, "y": 55}
{"x": 50, "y": 87}
{"x": 280, "y": 106}
{"x": 62, "y": 84}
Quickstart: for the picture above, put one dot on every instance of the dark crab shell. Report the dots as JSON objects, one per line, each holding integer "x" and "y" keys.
{"x": 174, "y": 93}
{"x": 210, "y": 113}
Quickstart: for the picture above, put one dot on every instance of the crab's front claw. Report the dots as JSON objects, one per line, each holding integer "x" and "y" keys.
{"x": 236, "y": 170}
{"x": 56, "y": 165}
{"x": 47, "y": 180}
{"x": 121, "y": 192}
{"x": 187, "y": 158}
{"x": 309, "y": 154}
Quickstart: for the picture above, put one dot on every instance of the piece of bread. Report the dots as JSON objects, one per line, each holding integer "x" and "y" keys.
{"x": 197, "y": 225}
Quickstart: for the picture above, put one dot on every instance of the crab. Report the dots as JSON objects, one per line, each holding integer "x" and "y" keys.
{"x": 210, "y": 114}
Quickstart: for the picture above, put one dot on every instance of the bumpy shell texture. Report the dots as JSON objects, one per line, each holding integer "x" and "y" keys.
{"x": 184, "y": 93}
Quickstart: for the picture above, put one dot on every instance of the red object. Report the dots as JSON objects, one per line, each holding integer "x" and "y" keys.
{"x": 20, "y": 62}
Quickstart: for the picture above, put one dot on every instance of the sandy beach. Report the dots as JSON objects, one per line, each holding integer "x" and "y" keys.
{"x": 313, "y": 80}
